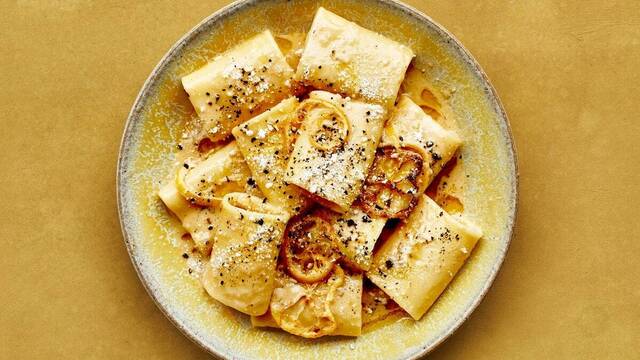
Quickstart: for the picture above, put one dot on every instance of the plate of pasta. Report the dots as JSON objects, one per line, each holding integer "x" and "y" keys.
{"x": 317, "y": 179}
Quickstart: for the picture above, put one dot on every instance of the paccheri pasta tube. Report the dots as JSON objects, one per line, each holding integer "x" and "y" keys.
{"x": 422, "y": 256}
{"x": 356, "y": 234}
{"x": 204, "y": 182}
{"x": 343, "y": 57}
{"x": 196, "y": 220}
{"x": 242, "y": 269}
{"x": 237, "y": 85}
{"x": 266, "y": 143}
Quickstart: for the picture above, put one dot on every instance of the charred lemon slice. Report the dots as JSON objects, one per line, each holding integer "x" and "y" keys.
{"x": 391, "y": 187}
{"x": 309, "y": 251}
{"x": 326, "y": 125}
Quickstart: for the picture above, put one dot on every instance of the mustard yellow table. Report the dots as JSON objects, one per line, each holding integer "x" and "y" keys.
{"x": 567, "y": 72}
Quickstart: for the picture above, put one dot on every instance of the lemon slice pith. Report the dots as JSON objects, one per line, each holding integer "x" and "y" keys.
{"x": 391, "y": 188}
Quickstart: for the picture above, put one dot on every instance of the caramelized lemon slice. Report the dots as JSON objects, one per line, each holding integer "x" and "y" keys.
{"x": 327, "y": 125}
{"x": 391, "y": 187}
{"x": 308, "y": 249}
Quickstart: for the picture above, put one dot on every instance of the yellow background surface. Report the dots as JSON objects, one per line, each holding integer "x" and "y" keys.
{"x": 567, "y": 73}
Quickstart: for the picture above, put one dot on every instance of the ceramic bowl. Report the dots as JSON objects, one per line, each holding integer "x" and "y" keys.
{"x": 152, "y": 130}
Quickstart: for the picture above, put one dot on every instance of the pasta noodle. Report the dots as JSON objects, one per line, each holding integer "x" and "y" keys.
{"x": 237, "y": 85}
{"x": 357, "y": 234}
{"x": 241, "y": 273}
{"x": 265, "y": 144}
{"x": 342, "y": 57}
{"x": 348, "y": 132}
{"x": 205, "y": 182}
{"x": 197, "y": 221}
{"x": 422, "y": 256}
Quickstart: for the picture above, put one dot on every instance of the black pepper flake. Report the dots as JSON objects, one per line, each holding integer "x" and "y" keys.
{"x": 435, "y": 156}
{"x": 366, "y": 219}
{"x": 179, "y": 147}
{"x": 388, "y": 264}
{"x": 441, "y": 213}
{"x": 210, "y": 103}
{"x": 266, "y": 171}
{"x": 350, "y": 222}
{"x": 208, "y": 94}
{"x": 253, "y": 139}
{"x": 185, "y": 255}
{"x": 251, "y": 182}
{"x": 186, "y": 166}
{"x": 222, "y": 282}
{"x": 210, "y": 227}
{"x": 401, "y": 138}
{"x": 260, "y": 222}
{"x": 429, "y": 143}
{"x": 368, "y": 112}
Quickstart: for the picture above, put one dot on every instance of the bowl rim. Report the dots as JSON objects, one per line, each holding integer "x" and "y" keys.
{"x": 238, "y": 5}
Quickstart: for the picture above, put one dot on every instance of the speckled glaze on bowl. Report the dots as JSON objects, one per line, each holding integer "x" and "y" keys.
{"x": 152, "y": 236}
